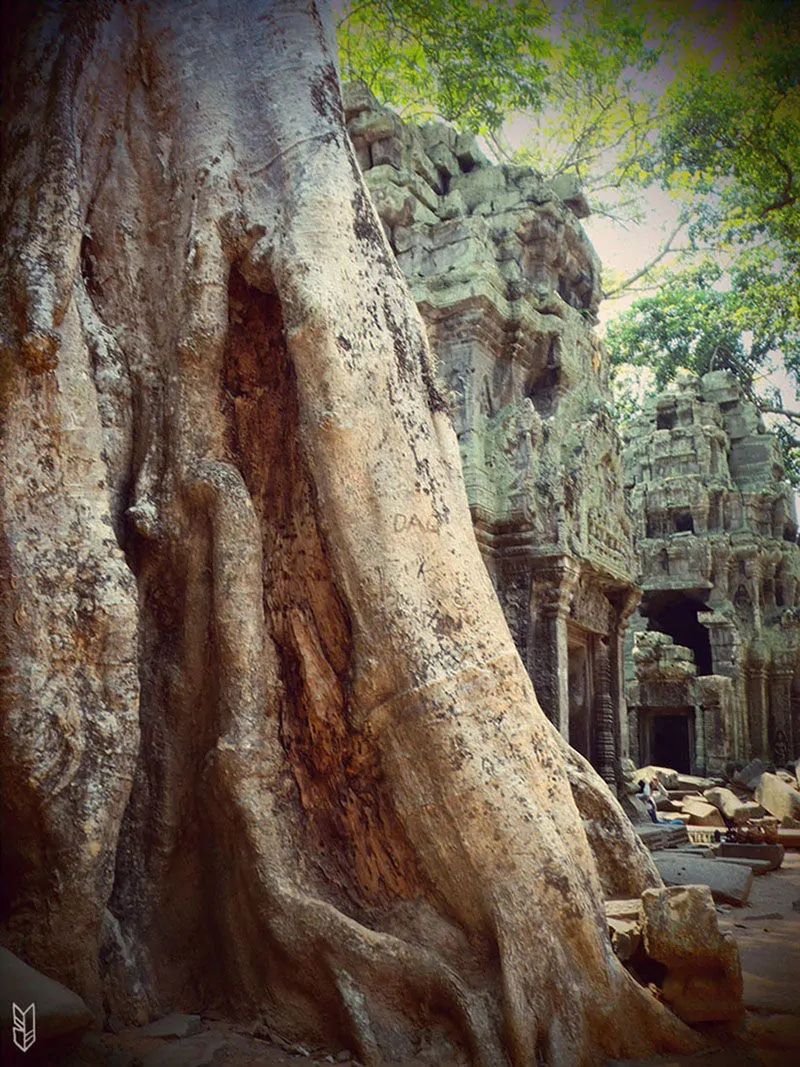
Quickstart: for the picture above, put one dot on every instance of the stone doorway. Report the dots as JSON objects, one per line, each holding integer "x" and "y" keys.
{"x": 581, "y": 695}
{"x": 671, "y": 740}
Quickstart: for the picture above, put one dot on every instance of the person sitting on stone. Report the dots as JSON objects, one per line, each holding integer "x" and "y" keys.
{"x": 657, "y": 787}
{"x": 649, "y": 790}
{"x": 645, "y": 795}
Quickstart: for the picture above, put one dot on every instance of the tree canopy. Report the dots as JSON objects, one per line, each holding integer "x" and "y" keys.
{"x": 465, "y": 61}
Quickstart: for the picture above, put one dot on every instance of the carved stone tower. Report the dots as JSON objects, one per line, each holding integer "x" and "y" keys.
{"x": 717, "y": 535}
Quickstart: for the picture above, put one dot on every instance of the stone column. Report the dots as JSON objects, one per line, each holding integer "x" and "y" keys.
{"x": 699, "y": 763}
{"x": 548, "y": 662}
{"x": 604, "y": 713}
{"x": 779, "y": 726}
{"x": 756, "y": 685}
{"x": 633, "y": 734}
{"x": 619, "y": 656}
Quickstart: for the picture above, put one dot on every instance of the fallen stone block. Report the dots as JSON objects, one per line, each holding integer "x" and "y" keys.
{"x": 626, "y": 936}
{"x": 624, "y": 909}
{"x": 779, "y": 798}
{"x": 667, "y": 777}
{"x": 61, "y": 1016}
{"x": 729, "y": 883}
{"x": 656, "y": 836}
{"x": 704, "y": 975}
{"x": 789, "y": 838}
{"x": 749, "y": 774}
{"x": 702, "y": 813}
{"x": 703, "y": 852}
{"x": 757, "y": 866}
{"x": 731, "y": 807}
{"x": 770, "y": 854}
{"x": 690, "y": 781}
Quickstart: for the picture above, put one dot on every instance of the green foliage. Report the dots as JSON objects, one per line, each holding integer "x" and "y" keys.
{"x": 630, "y": 387}
{"x": 599, "y": 118}
{"x": 470, "y": 62}
{"x": 703, "y": 319}
{"x": 790, "y": 452}
{"x": 730, "y": 136}
{"x": 729, "y": 148}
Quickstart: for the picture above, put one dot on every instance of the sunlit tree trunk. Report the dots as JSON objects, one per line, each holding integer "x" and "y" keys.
{"x": 262, "y": 751}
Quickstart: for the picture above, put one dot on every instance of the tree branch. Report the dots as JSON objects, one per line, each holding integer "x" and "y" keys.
{"x": 665, "y": 250}
{"x": 774, "y": 409}
{"x": 787, "y": 197}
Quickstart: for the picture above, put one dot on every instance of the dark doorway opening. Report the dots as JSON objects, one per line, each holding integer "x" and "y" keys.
{"x": 671, "y": 742}
{"x": 667, "y": 420}
{"x": 677, "y": 617}
{"x": 580, "y": 700}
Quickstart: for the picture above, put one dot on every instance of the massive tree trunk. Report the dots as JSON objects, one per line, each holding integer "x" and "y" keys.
{"x": 261, "y": 751}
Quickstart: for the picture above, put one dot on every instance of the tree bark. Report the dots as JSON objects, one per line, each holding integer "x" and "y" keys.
{"x": 262, "y": 752}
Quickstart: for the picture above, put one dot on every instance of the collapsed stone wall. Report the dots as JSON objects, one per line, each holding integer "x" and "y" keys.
{"x": 508, "y": 286}
{"x": 716, "y": 531}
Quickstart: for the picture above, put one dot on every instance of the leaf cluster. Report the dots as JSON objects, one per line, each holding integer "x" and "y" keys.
{"x": 470, "y": 62}
{"x": 599, "y": 118}
{"x": 730, "y": 133}
{"x": 706, "y": 318}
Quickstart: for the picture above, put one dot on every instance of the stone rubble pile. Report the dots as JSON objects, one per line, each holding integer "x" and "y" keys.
{"x": 755, "y": 800}
{"x": 742, "y": 824}
{"x": 671, "y": 936}
{"x": 673, "y": 933}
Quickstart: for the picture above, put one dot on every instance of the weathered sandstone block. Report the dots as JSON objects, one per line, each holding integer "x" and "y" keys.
{"x": 779, "y": 798}
{"x": 731, "y": 807}
{"x": 729, "y": 883}
{"x": 704, "y": 976}
{"x": 702, "y": 814}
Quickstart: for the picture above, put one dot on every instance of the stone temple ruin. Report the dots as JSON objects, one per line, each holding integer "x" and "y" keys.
{"x": 508, "y": 286}
{"x": 717, "y": 636}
